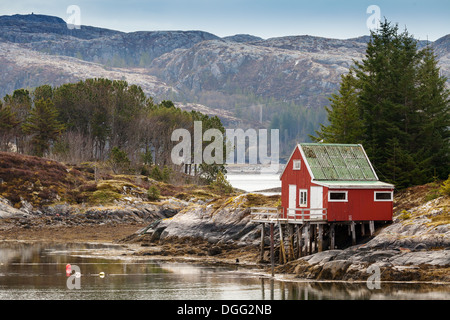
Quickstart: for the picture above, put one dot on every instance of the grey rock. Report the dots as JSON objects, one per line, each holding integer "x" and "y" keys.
{"x": 8, "y": 211}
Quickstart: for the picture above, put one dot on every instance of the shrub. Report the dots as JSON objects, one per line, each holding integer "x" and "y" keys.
{"x": 156, "y": 173}
{"x": 166, "y": 172}
{"x": 119, "y": 160}
{"x": 445, "y": 188}
{"x": 153, "y": 193}
{"x": 405, "y": 215}
{"x": 221, "y": 184}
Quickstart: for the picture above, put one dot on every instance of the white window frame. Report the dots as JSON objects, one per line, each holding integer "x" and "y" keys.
{"x": 303, "y": 197}
{"x": 294, "y": 162}
{"x": 380, "y": 200}
{"x": 340, "y": 200}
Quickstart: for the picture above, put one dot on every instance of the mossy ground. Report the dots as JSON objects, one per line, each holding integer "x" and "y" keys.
{"x": 43, "y": 182}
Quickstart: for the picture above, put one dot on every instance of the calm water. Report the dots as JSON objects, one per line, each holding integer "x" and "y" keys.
{"x": 37, "y": 271}
{"x": 254, "y": 182}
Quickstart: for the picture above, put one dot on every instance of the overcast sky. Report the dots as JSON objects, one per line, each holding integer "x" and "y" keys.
{"x": 425, "y": 19}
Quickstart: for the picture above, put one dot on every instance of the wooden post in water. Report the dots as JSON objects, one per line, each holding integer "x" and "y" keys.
{"x": 332, "y": 236}
{"x": 308, "y": 240}
{"x": 272, "y": 259}
{"x": 282, "y": 249}
{"x": 371, "y": 227}
{"x": 291, "y": 242}
{"x": 299, "y": 241}
{"x": 352, "y": 227}
{"x": 263, "y": 226}
{"x": 320, "y": 238}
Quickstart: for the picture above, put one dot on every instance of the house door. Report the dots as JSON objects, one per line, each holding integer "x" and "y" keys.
{"x": 292, "y": 198}
{"x": 316, "y": 202}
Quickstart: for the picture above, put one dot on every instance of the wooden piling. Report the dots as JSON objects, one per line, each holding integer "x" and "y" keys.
{"x": 352, "y": 227}
{"x": 320, "y": 238}
{"x": 291, "y": 242}
{"x": 299, "y": 241}
{"x": 371, "y": 227}
{"x": 263, "y": 226}
{"x": 272, "y": 259}
{"x": 282, "y": 249}
{"x": 362, "y": 229}
{"x": 307, "y": 240}
{"x": 332, "y": 236}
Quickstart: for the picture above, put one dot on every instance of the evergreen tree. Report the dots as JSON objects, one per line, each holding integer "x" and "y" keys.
{"x": 433, "y": 137}
{"x": 386, "y": 81}
{"x": 119, "y": 160}
{"x": 20, "y": 104}
{"x": 399, "y": 109}
{"x": 8, "y": 122}
{"x": 343, "y": 115}
{"x": 43, "y": 126}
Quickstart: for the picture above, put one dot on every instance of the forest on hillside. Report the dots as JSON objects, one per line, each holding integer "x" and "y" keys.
{"x": 99, "y": 120}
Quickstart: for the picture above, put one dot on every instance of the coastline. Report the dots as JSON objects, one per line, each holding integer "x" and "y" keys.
{"x": 348, "y": 265}
{"x": 218, "y": 231}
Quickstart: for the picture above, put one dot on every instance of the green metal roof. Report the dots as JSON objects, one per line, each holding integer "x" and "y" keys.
{"x": 355, "y": 184}
{"x": 338, "y": 162}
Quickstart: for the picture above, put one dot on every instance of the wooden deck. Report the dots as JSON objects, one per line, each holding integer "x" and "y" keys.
{"x": 293, "y": 216}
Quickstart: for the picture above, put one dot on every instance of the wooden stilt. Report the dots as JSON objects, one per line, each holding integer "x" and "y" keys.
{"x": 299, "y": 241}
{"x": 314, "y": 238}
{"x": 272, "y": 259}
{"x": 332, "y": 236}
{"x": 310, "y": 236}
{"x": 291, "y": 242}
{"x": 352, "y": 227}
{"x": 263, "y": 226}
{"x": 320, "y": 238}
{"x": 282, "y": 249}
{"x": 362, "y": 229}
{"x": 371, "y": 227}
{"x": 305, "y": 239}
{"x": 262, "y": 288}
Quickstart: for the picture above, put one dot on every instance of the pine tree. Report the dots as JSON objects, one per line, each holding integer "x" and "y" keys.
{"x": 386, "y": 79}
{"x": 20, "y": 104}
{"x": 343, "y": 115}
{"x": 43, "y": 125}
{"x": 401, "y": 108}
{"x": 8, "y": 123}
{"x": 433, "y": 136}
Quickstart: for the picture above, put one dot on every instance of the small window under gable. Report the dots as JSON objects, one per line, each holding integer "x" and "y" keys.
{"x": 296, "y": 164}
{"x": 382, "y": 196}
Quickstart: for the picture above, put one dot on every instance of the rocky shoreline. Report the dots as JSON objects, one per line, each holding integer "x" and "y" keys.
{"x": 416, "y": 248}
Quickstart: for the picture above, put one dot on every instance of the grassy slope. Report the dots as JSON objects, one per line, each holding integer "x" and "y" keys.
{"x": 42, "y": 182}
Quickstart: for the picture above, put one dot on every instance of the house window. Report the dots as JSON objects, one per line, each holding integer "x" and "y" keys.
{"x": 303, "y": 200}
{"x": 296, "y": 165}
{"x": 337, "y": 196}
{"x": 382, "y": 196}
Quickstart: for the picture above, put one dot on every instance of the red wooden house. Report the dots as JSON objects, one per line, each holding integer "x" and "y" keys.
{"x": 333, "y": 183}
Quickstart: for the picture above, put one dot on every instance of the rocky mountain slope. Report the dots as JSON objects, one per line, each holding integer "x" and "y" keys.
{"x": 268, "y": 69}
{"x": 300, "y": 69}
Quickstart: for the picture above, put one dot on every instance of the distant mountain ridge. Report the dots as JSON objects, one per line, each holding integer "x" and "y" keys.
{"x": 240, "y": 72}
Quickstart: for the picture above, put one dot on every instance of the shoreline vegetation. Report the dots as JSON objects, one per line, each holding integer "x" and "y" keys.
{"x": 201, "y": 224}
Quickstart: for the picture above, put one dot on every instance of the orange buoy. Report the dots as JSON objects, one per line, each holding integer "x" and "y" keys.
{"x": 68, "y": 269}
